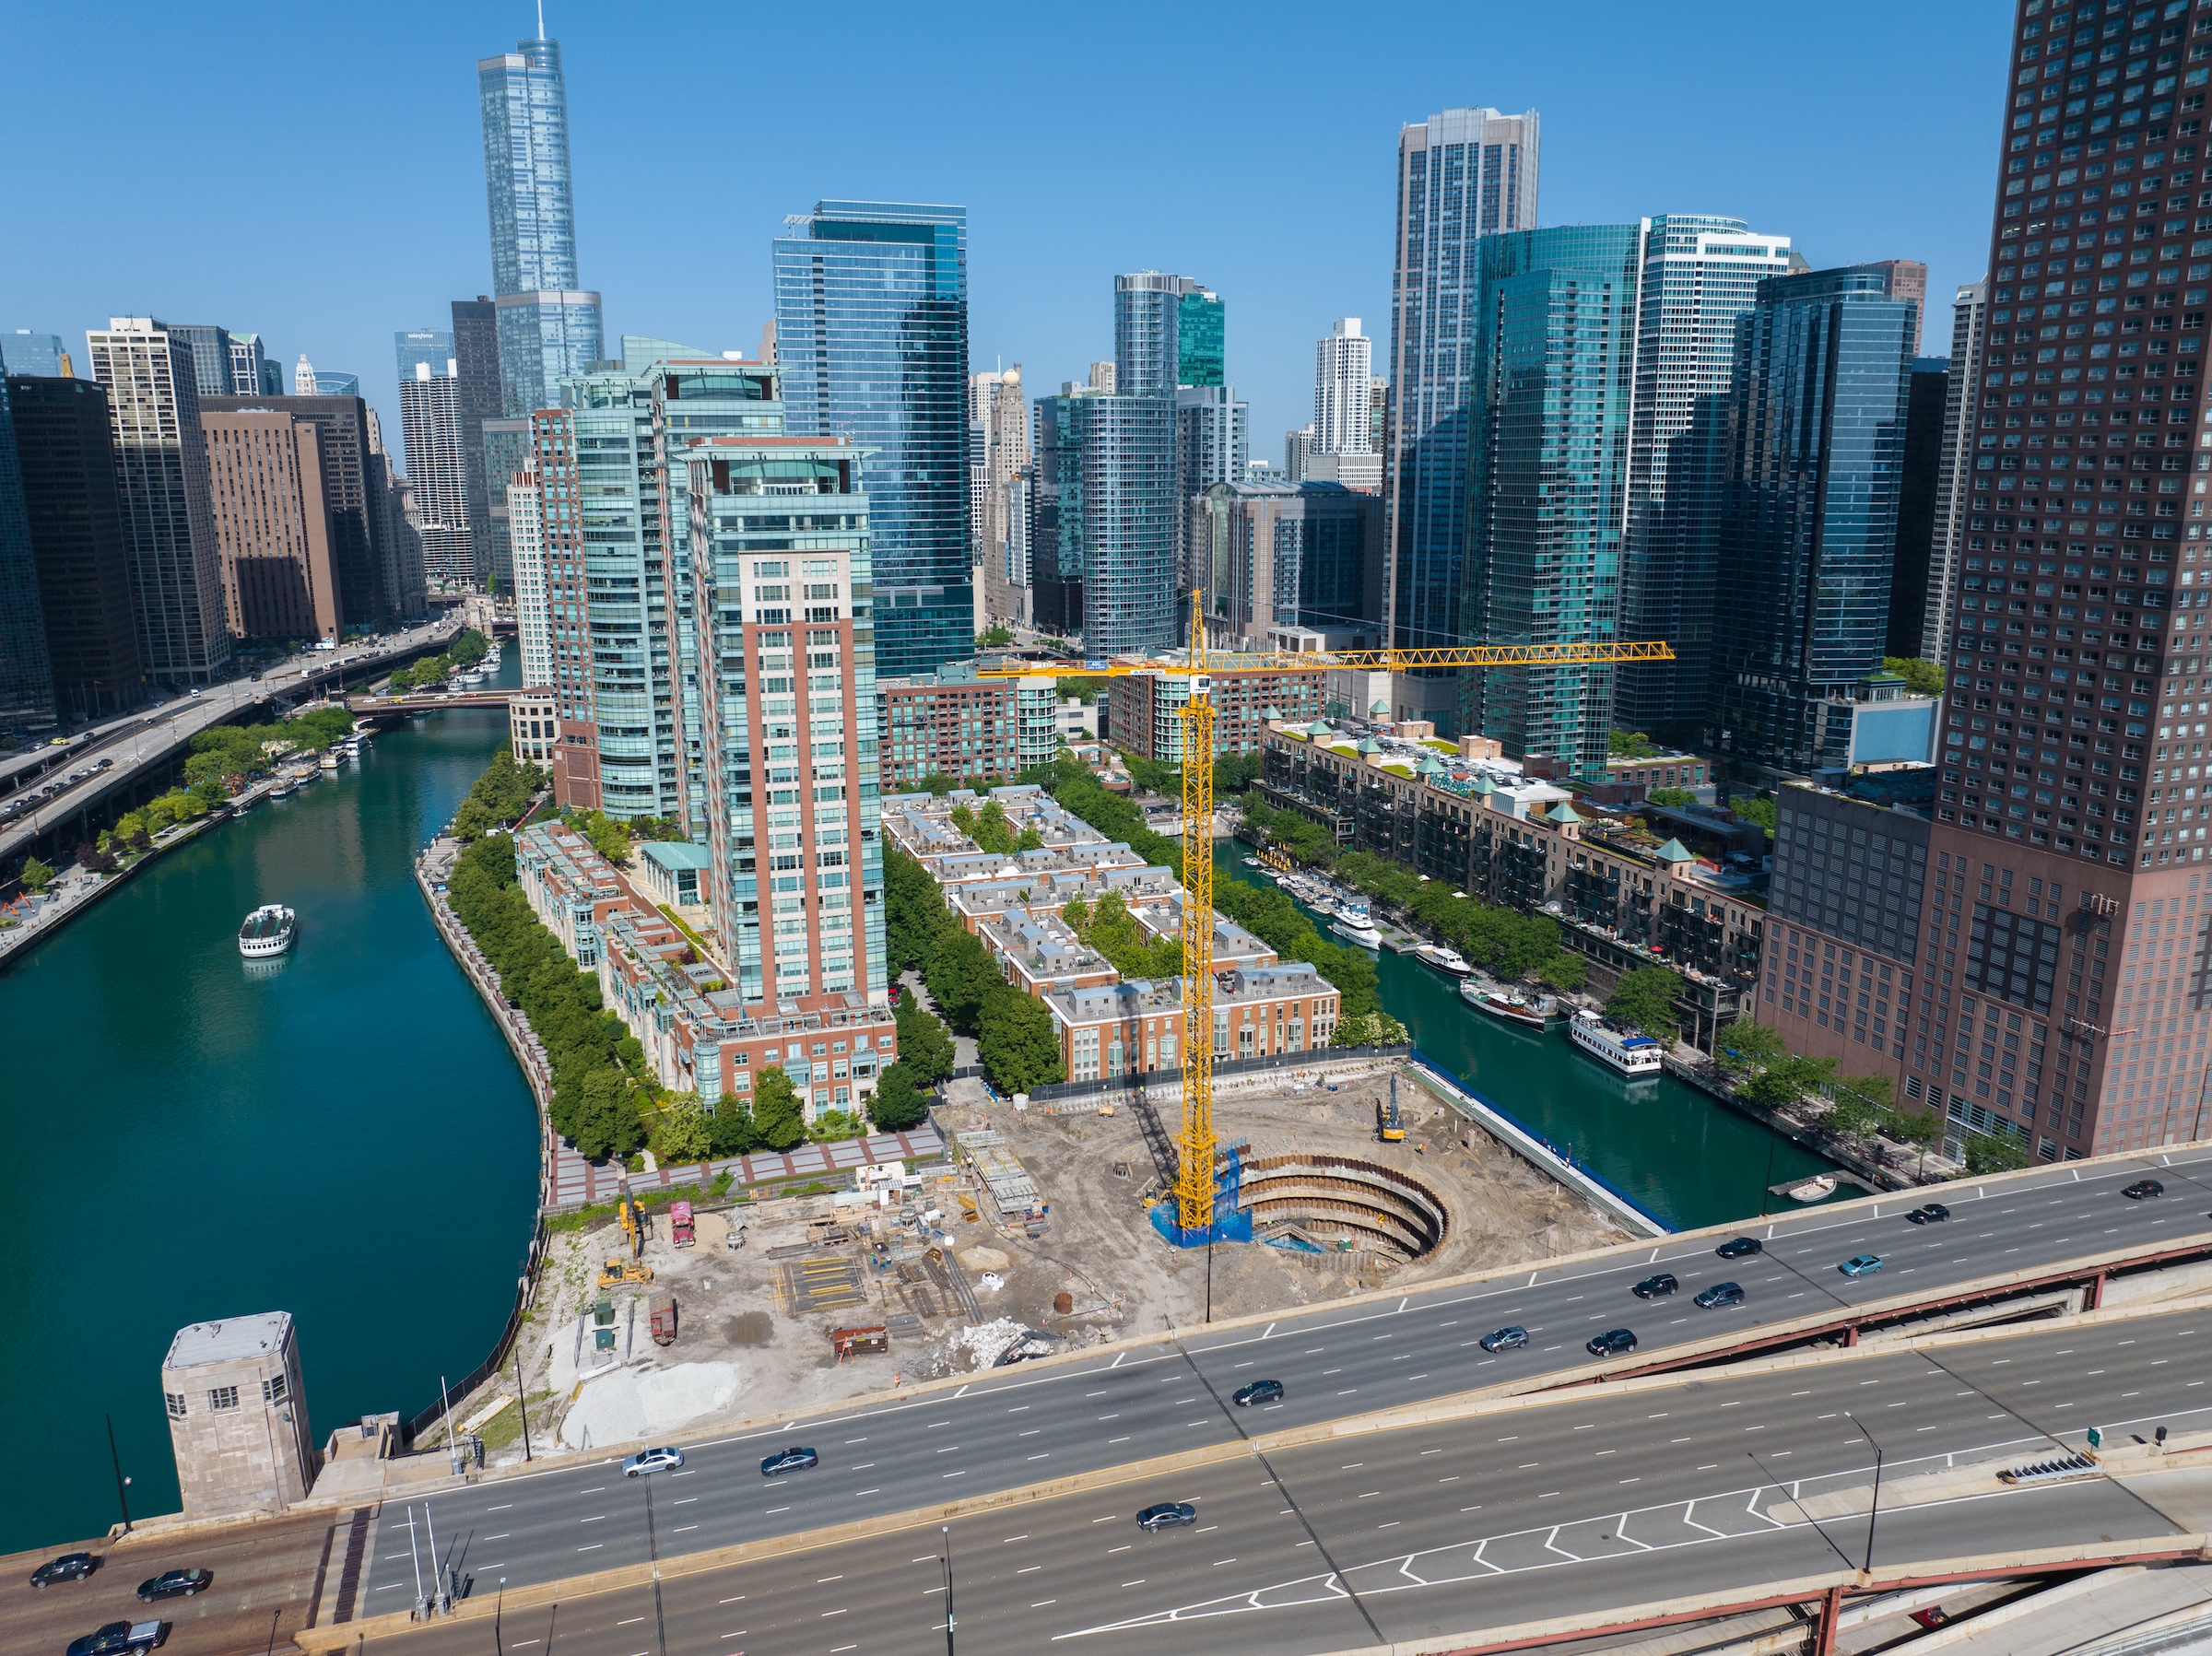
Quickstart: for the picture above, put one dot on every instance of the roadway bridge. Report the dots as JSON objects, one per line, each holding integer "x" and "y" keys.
{"x": 436, "y": 703}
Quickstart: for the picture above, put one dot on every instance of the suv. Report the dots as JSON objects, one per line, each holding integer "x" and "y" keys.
{"x": 1168, "y": 1515}
{"x": 1510, "y": 1338}
{"x": 1612, "y": 1343}
{"x": 2142, "y": 1188}
{"x": 1721, "y": 1294}
{"x": 116, "y": 1639}
{"x": 1655, "y": 1286}
{"x": 1932, "y": 1213}
{"x": 1740, "y": 1247}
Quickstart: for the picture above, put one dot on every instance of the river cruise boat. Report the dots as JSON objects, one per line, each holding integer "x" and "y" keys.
{"x": 1509, "y": 1006}
{"x": 1631, "y": 1054}
{"x": 1352, "y": 924}
{"x": 286, "y": 787}
{"x": 1443, "y": 959}
{"x": 329, "y": 762}
{"x": 268, "y": 931}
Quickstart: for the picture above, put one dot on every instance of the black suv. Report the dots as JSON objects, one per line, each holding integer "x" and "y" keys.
{"x": 1655, "y": 1286}
{"x": 1719, "y": 1293}
{"x": 1612, "y": 1343}
{"x": 1741, "y": 1248}
{"x": 1510, "y": 1338}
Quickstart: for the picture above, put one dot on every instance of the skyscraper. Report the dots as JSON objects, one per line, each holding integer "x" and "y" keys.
{"x": 1551, "y": 365}
{"x": 548, "y": 327}
{"x": 477, "y": 366}
{"x": 998, "y": 448}
{"x": 428, "y": 347}
{"x": 430, "y": 421}
{"x": 1105, "y": 519}
{"x": 211, "y": 355}
{"x": 251, "y": 370}
{"x": 1147, "y": 330}
{"x": 1201, "y": 345}
{"x": 1342, "y": 414}
{"x": 1817, "y": 443}
{"x": 1462, "y": 175}
{"x": 1699, "y": 274}
{"x": 41, "y": 356}
{"x": 273, "y": 524}
{"x": 161, "y": 479}
{"x": 1912, "y": 572}
{"x": 872, "y": 345}
{"x": 26, "y": 671}
{"x": 1955, "y": 469}
{"x": 527, "y": 550}
{"x": 66, "y": 454}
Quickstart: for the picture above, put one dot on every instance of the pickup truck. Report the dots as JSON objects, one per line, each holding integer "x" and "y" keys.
{"x": 120, "y": 1639}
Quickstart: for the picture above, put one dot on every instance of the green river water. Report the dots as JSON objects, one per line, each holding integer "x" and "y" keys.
{"x": 340, "y": 1133}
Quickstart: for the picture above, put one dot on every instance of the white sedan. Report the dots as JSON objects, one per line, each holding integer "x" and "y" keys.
{"x": 651, "y": 1460}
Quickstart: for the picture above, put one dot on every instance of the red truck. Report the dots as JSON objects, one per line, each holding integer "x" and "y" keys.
{"x": 679, "y": 1221}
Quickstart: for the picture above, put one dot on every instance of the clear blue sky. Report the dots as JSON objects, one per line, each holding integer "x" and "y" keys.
{"x": 315, "y": 174}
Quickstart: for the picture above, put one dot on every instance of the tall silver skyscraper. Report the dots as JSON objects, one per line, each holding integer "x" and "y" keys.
{"x": 429, "y": 418}
{"x": 549, "y": 329}
{"x": 1969, "y": 326}
{"x": 1462, "y": 175}
{"x": 26, "y": 700}
{"x": 1699, "y": 274}
{"x": 1343, "y": 416}
{"x": 161, "y": 477}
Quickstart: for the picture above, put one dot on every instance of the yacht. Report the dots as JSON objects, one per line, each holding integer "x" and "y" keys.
{"x": 1352, "y": 922}
{"x": 1632, "y": 1054}
{"x": 268, "y": 931}
{"x": 1508, "y": 1005}
{"x": 1442, "y": 958}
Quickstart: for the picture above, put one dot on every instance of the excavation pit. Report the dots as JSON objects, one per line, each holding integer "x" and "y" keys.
{"x": 1305, "y": 1199}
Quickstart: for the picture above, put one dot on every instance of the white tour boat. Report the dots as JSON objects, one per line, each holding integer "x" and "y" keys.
{"x": 1631, "y": 1054}
{"x": 268, "y": 931}
{"x": 1443, "y": 959}
{"x": 1508, "y": 1006}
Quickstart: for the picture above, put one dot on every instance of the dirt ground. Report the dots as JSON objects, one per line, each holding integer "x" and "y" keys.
{"x": 749, "y": 1346}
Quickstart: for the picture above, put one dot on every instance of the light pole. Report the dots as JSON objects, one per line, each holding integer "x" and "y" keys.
{"x": 1873, "y": 1509}
{"x": 122, "y": 1499}
{"x": 497, "y": 1610}
{"x": 947, "y": 1531}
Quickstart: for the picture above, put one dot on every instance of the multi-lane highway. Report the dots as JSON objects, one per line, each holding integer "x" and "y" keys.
{"x": 1568, "y": 1505}
{"x": 1015, "y": 1427}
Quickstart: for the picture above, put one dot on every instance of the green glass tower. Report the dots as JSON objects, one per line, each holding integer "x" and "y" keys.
{"x": 1200, "y": 355}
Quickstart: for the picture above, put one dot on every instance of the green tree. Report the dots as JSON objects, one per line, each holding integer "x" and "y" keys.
{"x": 1031, "y": 840}
{"x": 1762, "y": 811}
{"x": 1564, "y": 971}
{"x": 961, "y": 972}
{"x": 681, "y": 1135}
{"x": 1923, "y": 678}
{"x": 1017, "y": 1043}
{"x": 730, "y": 1128}
{"x": 925, "y": 1048}
{"x": 992, "y": 638}
{"x": 1630, "y": 744}
{"x": 1918, "y": 1128}
{"x": 835, "y": 1126}
{"x": 606, "y": 1120}
{"x": 1786, "y": 1080}
{"x": 37, "y": 875}
{"x": 210, "y": 792}
{"x": 1672, "y": 796}
{"x": 777, "y": 1117}
{"x": 1994, "y": 1153}
{"x": 1746, "y": 1047}
{"x": 1644, "y": 999}
{"x": 988, "y": 828}
{"x": 898, "y": 1104}
{"x": 1233, "y": 773}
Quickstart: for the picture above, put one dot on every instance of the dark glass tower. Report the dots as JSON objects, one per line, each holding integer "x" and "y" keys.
{"x": 872, "y": 341}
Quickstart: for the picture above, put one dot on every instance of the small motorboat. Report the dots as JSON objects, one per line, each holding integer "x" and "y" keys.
{"x": 1442, "y": 958}
{"x": 1813, "y": 1190}
{"x": 1508, "y": 1005}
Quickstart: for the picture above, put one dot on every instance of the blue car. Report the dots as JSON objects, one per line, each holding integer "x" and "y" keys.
{"x": 1860, "y": 1264}
{"x": 789, "y": 1459}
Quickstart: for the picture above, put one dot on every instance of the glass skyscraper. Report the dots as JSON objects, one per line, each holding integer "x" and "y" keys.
{"x": 1107, "y": 519}
{"x": 1462, "y": 175}
{"x": 1824, "y": 367}
{"x": 1200, "y": 354}
{"x": 1551, "y": 366}
{"x": 26, "y": 671}
{"x": 548, "y": 329}
{"x": 872, "y": 347}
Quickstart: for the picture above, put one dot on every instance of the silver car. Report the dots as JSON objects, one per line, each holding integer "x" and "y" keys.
{"x": 651, "y": 1460}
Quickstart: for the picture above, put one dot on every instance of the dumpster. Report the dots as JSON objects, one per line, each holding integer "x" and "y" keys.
{"x": 664, "y": 1319}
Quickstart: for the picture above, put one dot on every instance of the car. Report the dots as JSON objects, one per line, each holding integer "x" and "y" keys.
{"x": 789, "y": 1459}
{"x": 2143, "y": 1188}
{"x": 1741, "y": 1248}
{"x": 1860, "y": 1264}
{"x": 1721, "y": 1294}
{"x": 1655, "y": 1286}
{"x": 1168, "y": 1515}
{"x": 1511, "y": 1337}
{"x": 69, "y": 1567}
{"x": 175, "y": 1584}
{"x": 1258, "y": 1392}
{"x": 1612, "y": 1343}
{"x": 119, "y": 1638}
{"x": 1932, "y": 1212}
{"x": 651, "y": 1460}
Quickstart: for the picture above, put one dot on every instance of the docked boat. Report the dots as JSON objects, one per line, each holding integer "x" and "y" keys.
{"x": 1632, "y": 1054}
{"x": 1508, "y": 1005}
{"x": 285, "y": 788}
{"x": 1353, "y": 924}
{"x": 268, "y": 931}
{"x": 1442, "y": 958}
{"x": 1813, "y": 1190}
{"x": 329, "y": 762}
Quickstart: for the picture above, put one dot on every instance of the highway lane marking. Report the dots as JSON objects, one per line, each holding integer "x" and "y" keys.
{"x": 502, "y": 1506}
{"x": 860, "y": 1492}
{"x": 593, "y": 1548}
{"x": 632, "y": 1622}
{"x": 1040, "y": 1603}
{"x": 864, "y": 1465}
{"x": 502, "y": 1535}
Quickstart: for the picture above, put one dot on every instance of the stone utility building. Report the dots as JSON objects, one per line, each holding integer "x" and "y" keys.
{"x": 238, "y": 1417}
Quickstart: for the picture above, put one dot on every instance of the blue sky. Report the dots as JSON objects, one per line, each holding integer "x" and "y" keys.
{"x": 315, "y": 174}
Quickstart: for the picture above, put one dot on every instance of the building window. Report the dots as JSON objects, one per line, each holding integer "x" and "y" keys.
{"x": 273, "y": 1389}
{"x": 175, "y": 1400}
{"x": 223, "y": 1397}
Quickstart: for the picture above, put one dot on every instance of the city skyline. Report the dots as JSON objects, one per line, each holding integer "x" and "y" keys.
{"x": 1900, "y": 188}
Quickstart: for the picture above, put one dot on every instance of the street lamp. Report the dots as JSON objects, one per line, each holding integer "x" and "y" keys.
{"x": 1873, "y": 1509}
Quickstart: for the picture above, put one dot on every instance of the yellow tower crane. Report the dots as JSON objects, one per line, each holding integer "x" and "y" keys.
{"x": 1196, "y": 1142}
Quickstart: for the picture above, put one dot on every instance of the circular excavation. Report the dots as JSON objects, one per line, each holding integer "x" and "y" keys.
{"x": 1310, "y": 1201}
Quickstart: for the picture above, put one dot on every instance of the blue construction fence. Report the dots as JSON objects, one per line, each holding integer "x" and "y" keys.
{"x": 1231, "y": 1224}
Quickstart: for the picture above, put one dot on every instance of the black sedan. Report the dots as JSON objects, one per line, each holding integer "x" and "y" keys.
{"x": 1258, "y": 1392}
{"x": 1510, "y": 1338}
{"x": 1655, "y": 1286}
{"x": 69, "y": 1567}
{"x": 175, "y": 1584}
{"x": 2143, "y": 1188}
{"x": 1741, "y": 1248}
{"x": 789, "y": 1459}
{"x": 1932, "y": 1213}
{"x": 1168, "y": 1515}
{"x": 1612, "y": 1343}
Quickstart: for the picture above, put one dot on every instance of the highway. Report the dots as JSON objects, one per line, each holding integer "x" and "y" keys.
{"x": 1014, "y": 1428}
{"x": 1565, "y": 1505}
{"x": 148, "y": 734}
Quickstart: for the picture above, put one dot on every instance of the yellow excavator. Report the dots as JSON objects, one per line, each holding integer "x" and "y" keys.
{"x": 619, "y": 1270}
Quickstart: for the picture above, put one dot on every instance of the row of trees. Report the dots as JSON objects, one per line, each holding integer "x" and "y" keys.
{"x": 990, "y": 829}
{"x": 499, "y": 797}
{"x": 1110, "y": 929}
{"x": 465, "y": 652}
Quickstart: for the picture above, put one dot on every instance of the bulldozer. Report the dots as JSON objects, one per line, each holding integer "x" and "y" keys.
{"x": 616, "y": 1270}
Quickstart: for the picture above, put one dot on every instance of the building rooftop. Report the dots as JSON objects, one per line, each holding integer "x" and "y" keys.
{"x": 233, "y": 1339}
{"x": 673, "y": 854}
